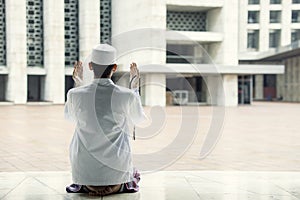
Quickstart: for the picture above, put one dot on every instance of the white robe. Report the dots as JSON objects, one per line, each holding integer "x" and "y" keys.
{"x": 100, "y": 152}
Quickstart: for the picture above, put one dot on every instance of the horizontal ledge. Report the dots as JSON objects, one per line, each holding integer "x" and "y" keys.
{"x": 36, "y": 71}
{"x": 3, "y": 70}
{"x": 193, "y": 5}
{"x": 212, "y": 69}
{"x": 180, "y": 37}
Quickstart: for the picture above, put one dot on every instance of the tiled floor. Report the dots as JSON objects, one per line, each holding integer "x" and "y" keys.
{"x": 257, "y": 157}
{"x": 170, "y": 185}
{"x": 264, "y": 136}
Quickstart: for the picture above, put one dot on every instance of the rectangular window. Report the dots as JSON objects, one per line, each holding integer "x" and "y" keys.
{"x": 275, "y": 16}
{"x": 253, "y": 2}
{"x": 270, "y": 80}
{"x": 296, "y": 1}
{"x": 253, "y": 39}
{"x": 274, "y": 38}
{"x": 295, "y": 16}
{"x": 275, "y": 1}
{"x": 253, "y": 17}
{"x": 180, "y": 53}
{"x": 295, "y": 35}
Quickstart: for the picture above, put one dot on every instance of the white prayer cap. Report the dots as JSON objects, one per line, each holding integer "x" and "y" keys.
{"x": 104, "y": 54}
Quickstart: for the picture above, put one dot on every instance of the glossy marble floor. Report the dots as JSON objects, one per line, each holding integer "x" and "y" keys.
{"x": 173, "y": 185}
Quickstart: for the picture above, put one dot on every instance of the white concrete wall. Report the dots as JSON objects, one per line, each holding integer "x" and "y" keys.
{"x": 138, "y": 33}
{"x": 153, "y": 89}
{"x": 54, "y": 50}
{"x": 230, "y": 84}
{"x": 224, "y": 20}
{"x": 264, "y": 25}
{"x": 16, "y": 51}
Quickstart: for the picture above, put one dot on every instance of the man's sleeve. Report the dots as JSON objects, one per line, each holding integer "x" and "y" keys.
{"x": 136, "y": 111}
{"x": 69, "y": 111}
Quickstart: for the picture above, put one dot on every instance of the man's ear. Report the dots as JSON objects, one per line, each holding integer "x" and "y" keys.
{"x": 91, "y": 66}
{"x": 114, "y": 69}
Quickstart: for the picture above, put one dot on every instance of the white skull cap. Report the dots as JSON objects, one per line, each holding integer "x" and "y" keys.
{"x": 104, "y": 54}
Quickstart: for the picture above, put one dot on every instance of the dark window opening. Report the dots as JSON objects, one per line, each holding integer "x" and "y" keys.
{"x": 253, "y": 17}
{"x": 253, "y": 39}
{"x": 69, "y": 84}
{"x": 3, "y": 83}
{"x": 35, "y": 88}
{"x": 253, "y": 2}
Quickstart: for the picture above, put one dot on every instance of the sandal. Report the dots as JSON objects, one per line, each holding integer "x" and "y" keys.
{"x": 75, "y": 188}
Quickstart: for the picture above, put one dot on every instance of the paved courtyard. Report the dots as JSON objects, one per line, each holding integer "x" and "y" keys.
{"x": 262, "y": 141}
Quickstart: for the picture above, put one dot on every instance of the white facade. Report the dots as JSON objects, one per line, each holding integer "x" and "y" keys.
{"x": 142, "y": 32}
{"x": 272, "y": 15}
{"x": 269, "y": 32}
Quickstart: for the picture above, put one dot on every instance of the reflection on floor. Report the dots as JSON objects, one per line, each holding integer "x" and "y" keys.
{"x": 187, "y": 185}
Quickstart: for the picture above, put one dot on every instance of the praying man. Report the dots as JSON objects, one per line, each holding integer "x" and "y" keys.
{"x": 100, "y": 152}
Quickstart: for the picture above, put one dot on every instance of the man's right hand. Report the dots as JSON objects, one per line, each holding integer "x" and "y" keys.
{"x": 134, "y": 76}
{"x": 78, "y": 73}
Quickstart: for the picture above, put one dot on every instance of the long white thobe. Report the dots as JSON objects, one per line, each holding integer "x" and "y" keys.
{"x": 100, "y": 152}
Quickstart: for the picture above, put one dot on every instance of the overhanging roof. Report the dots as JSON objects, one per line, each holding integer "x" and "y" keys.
{"x": 273, "y": 54}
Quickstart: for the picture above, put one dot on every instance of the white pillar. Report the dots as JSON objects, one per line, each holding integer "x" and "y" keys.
{"x": 153, "y": 89}
{"x": 230, "y": 84}
{"x": 89, "y": 23}
{"x": 138, "y": 33}
{"x": 54, "y": 50}
{"x": 264, "y": 26}
{"x": 243, "y": 19}
{"x": 286, "y": 22}
{"x": 16, "y": 51}
{"x": 222, "y": 89}
{"x": 259, "y": 87}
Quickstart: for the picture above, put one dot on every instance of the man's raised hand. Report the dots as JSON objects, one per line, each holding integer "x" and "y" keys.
{"x": 78, "y": 73}
{"x": 134, "y": 76}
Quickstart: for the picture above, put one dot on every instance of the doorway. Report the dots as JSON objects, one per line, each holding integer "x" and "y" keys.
{"x": 244, "y": 89}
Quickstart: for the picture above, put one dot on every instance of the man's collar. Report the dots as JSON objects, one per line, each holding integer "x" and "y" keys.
{"x": 103, "y": 81}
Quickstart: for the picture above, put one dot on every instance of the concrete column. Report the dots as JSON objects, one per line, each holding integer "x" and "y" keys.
{"x": 54, "y": 50}
{"x": 230, "y": 84}
{"x": 89, "y": 23}
{"x": 264, "y": 26}
{"x": 294, "y": 81}
{"x": 223, "y": 89}
{"x": 16, "y": 51}
{"x": 140, "y": 36}
{"x": 243, "y": 21}
{"x": 215, "y": 92}
{"x": 298, "y": 80}
{"x": 259, "y": 87}
{"x": 289, "y": 92}
{"x": 153, "y": 89}
{"x": 280, "y": 85}
{"x": 286, "y": 22}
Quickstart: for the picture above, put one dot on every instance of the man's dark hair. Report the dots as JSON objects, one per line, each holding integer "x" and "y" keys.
{"x": 102, "y": 71}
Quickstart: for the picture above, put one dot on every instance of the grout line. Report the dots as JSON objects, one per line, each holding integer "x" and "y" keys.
{"x": 14, "y": 188}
